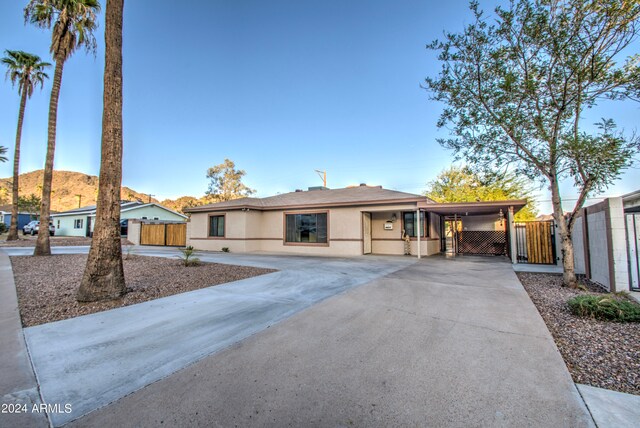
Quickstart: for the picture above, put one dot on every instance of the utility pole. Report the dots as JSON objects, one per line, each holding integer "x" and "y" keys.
{"x": 149, "y": 195}
{"x": 79, "y": 200}
{"x": 323, "y": 176}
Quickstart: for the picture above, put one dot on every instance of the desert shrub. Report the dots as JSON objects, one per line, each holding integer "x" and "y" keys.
{"x": 606, "y": 307}
{"x": 188, "y": 256}
{"x": 225, "y": 249}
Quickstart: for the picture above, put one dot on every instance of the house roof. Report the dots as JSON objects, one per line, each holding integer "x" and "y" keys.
{"x": 6, "y": 209}
{"x": 91, "y": 209}
{"x": 125, "y": 206}
{"x": 349, "y": 196}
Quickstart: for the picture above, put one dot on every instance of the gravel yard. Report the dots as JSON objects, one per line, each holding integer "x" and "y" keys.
{"x": 603, "y": 354}
{"x": 47, "y": 285}
{"x": 56, "y": 241}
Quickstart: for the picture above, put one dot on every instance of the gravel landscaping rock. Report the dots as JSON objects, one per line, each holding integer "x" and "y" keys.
{"x": 603, "y": 354}
{"x": 47, "y": 285}
{"x": 55, "y": 241}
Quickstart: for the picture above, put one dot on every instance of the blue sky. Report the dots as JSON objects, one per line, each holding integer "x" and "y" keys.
{"x": 280, "y": 87}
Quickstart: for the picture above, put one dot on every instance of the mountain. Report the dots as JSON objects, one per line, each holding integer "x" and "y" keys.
{"x": 69, "y": 189}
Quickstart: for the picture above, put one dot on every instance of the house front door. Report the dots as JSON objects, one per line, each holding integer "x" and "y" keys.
{"x": 366, "y": 233}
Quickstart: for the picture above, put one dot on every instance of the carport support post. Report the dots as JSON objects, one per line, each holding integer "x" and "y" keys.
{"x": 513, "y": 245}
{"x": 419, "y": 233}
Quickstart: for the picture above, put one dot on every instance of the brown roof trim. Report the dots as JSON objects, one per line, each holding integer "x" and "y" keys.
{"x": 451, "y": 207}
{"x": 309, "y": 206}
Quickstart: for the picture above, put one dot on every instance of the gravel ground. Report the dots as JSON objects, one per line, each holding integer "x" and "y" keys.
{"x": 603, "y": 354}
{"x": 47, "y": 285}
{"x": 56, "y": 241}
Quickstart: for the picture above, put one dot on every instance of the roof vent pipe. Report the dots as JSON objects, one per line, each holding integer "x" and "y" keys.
{"x": 363, "y": 184}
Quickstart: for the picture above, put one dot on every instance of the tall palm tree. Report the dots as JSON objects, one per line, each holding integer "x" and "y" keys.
{"x": 28, "y": 70}
{"x": 104, "y": 276}
{"x": 73, "y": 24}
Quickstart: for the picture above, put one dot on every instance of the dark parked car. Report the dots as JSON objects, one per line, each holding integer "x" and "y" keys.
{"x": 124, "y": 226}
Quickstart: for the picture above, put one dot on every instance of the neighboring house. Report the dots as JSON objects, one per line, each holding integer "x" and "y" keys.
{"x": 80, "y": 221}
{"x": 5, "y": 217}
{"x": 351, "y": 221}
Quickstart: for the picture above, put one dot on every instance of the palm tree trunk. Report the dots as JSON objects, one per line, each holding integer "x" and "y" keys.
{"x": 104, "y": 276}
{"x": 43, "y": 246}
{"x": 13, "y": 229}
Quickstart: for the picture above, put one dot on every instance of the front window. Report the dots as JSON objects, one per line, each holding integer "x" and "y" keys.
{"x": 216, "y": 226}
{"x": 77, "y": 224}
{"x": 307, "y": 228}
{"x": 411, "y": 224}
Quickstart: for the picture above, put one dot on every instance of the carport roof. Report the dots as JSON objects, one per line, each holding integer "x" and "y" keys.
{"x": 473, "y": 208}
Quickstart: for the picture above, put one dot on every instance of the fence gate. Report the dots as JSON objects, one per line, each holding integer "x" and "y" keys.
{"x": 164, "y": 234}
{"x": 633, "y": 243}
{"x": 535, "y": 242}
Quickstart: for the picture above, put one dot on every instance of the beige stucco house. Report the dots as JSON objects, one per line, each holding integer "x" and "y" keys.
{"x": 348, "y": 222}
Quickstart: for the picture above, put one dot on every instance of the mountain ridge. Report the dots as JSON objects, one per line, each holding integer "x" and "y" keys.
{"x": 71, "y": 189}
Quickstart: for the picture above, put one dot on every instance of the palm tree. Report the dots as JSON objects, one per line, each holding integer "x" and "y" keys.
{"x": 28, "y": 70}
{"x": 104, "y": 276}
{"x": 3, "y": 151}
{"x": 73, "y": 24}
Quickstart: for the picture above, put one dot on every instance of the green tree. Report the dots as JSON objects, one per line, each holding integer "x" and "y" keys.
{"x": 29, "y": 204}
{"x": 28, "y": 71}
{"x": 516, "y": 87}
{"x": 73, "y": 24}
{"x": 461, "y": 184}
{"x": 104, "y": 274}
{"x": 226, "y": 182}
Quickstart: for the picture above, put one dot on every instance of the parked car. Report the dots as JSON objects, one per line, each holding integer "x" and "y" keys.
{"x": 29, "y": 227}
{"x": 33, "y": 227}
{"x": 124, "y": 226}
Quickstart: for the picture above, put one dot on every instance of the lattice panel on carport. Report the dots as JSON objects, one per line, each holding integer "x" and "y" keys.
{"x": 482, "y": 242}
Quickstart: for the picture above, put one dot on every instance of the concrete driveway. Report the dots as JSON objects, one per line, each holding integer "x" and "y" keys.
{"x": 93, "y": 360}
{"x": 438, "y": 343}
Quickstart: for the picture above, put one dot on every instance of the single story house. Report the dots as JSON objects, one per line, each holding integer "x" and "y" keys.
{"x": 5, "y": 217}
{"x": 352, "y": 221}
{"x": 80, "y": 221}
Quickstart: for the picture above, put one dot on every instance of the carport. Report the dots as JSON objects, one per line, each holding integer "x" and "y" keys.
{"x": 483, "y": 228}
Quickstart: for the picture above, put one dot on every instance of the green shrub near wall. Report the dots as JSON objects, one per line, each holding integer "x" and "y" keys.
{"x": 606, "y": 307}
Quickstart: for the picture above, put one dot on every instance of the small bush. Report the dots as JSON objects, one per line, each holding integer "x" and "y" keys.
{"x": 188, "y": 256}
{"x": 225, "y": 249}
{"x": 3, "y": 228}
{"x": 606, "y": 307}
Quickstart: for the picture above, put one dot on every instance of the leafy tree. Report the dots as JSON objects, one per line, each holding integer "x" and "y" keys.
{"x": 104, "y": 274}
{"x": 29, "y": 204}
{"x": 461, "y": 184}
{"x": 516, "y": 87}
{"x": 226, "y": 182}
{"x": 73, "y": 24}
{"x": 28, "y": 71}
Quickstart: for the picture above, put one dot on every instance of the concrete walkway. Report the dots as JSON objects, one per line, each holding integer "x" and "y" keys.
{"x": 438, "y": 343}
{"x": 611, "y": 408}
{"x": 93, "y": 360}
{"x": 18, "y": 385}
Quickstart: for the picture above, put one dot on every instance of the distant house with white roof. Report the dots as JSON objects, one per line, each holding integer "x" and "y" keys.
{"x": 80, "y": 221}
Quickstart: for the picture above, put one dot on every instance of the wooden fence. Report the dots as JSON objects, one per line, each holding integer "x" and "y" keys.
{"x": 163, "y": 234}
{"x": 535, "y": 242}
